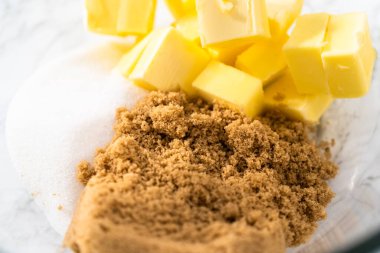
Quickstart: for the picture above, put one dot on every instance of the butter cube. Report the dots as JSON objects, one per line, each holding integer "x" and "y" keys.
{"x": 226, "y": 21}
{"x": 227, "y": 54}
{"x": 170, "y": 62}
{"x": 264, "y": 60}
{"x": 130, "y": 59}
{"x": 102, "y": 16}
{"x": 282, "y": 95}
{"x": 188, "y": 27}
{"x": 303, "y": 53}
{"x": 231, "y": 86}
{"x": 120, "y": 17}
{"x": 136, "y": 16}
{"x": 349, "y": 56}
{"x": 282, "y": 14}
{"x": 181, "y": 8}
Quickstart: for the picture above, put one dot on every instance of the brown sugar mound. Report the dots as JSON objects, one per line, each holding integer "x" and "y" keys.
{"x": 182, "y": 175}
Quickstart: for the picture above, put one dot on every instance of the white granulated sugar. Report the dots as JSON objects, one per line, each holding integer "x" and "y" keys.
{"x": 58, "y": 118}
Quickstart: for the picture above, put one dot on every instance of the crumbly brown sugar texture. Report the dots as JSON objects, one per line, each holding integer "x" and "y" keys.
{"x": 182, "y": 175}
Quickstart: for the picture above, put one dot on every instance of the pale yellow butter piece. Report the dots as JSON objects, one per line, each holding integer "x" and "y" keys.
{"x": 130, "y": 59}
{"x": 349, "y": 56}
{"x": 282, "y": 14}
{"x": 226, "y": 21}
{"x": 303, "y": 53}
{"x": 170, "y": 62}
{"x": 231, "y": 86}
{"x": 181, "y": 8}
{"x": 102, "y": 16}
{"x": 227, "y": 54}
{"x": 264, "y": 60}
{"x": 188, "y": 27}
{"x": 120, "y": 17}
{"x": 136, "y": 16}
{"x": 282, "y": 95}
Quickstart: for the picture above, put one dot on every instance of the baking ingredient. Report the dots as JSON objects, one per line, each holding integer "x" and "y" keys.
{"x": 181, "y": 8}
{"x": 282, "y": 14}
{"x": 130, "y": 59}
{"x": 136, "y": 16}
{"x": 188, "y": 27}
{"x": 102, "y": 16}
{"x": 58, "y": 118}
{"x": 219, "y": 82}
{"x": 349, "y": 56}
{"x": 120, "y": 17}
{"x": 186, "y": 176}
{"x": 282, "y": 95}
{"x": 264, "y": 60}
{"x": 227, "y": 54}
{"x": 232, "y": 22}
{"x": 170, "y": 63}
{"x": 303, "y": 53}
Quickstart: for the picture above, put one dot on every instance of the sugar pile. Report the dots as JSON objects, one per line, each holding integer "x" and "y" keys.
{"x": 182, "y": 175}
{"x": 58, "y": 118}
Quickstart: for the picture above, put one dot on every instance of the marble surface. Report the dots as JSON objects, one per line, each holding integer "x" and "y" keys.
{"x": 32, "y": 32}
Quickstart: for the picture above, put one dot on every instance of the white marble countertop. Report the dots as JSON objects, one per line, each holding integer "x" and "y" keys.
{"x": 33, "y": 32}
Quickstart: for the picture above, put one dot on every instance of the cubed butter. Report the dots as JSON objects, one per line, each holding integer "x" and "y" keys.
{"x": 102, "y": 16}
{"x": 181, "y": 8}
{"x": 227, "y": 54}
{"x": 303, "y": 53}
{"x": 188, "y": 27}
{"x": 282, "y": 95}
{"x": 120, "y": 17}
{"x": 226, "y": 21}
{"x": 264, "y": 60}
{"x": 130, "y": 59}
{"x": 282, "y": 14}
{"x": 349, "y": 56}
{"x": 231, "y": 86}
{"x": 170, "y": 62}
{"x": 136, "y": 16}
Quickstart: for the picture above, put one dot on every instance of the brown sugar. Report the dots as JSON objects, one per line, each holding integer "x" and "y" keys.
{"x": 182, "y": 175}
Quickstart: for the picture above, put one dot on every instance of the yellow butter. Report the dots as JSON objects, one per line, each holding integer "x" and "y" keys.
{"x": 264, "y": 60}
{"x": 231, "y": 86}
{"x": 102, "y": 16}
{"x": 227, "y": 54}
{"x": 136, "y": 16}
{"x": 349, "y": 56}
{"x": 282, "y": 14}
{"x": 282, "y": 95}
{"x": 188, "y": 27}
{"x": 130, "y": 59}
{"x": 303, "y": 54}
{"x": 226, "y": 21}
{"x": 120, "y": 17}
{"x": 181, "y": 8}
{"x": 169, "y": 63}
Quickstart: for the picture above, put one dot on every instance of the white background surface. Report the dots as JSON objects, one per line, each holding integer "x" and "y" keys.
{"x": 32, "y": 32}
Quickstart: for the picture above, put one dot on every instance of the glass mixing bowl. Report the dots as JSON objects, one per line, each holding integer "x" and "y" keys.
{"x": 355, "y": 126}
